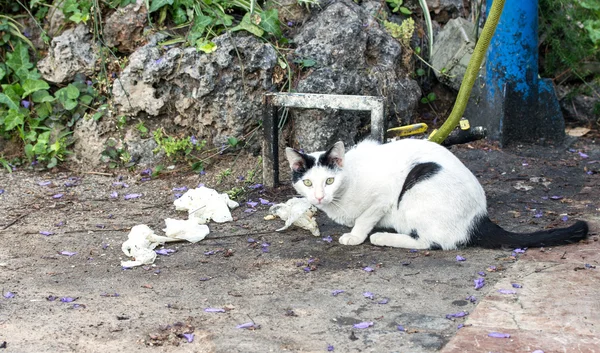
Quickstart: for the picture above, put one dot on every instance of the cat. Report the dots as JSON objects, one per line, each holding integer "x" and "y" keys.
{"x": 420, "y": 193}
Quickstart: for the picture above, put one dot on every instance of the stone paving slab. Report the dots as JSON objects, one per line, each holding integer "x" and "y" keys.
{"x": 557, "y": 309}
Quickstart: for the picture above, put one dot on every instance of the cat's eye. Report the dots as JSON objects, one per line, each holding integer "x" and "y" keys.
{"x": 329, "y": 181}
{"x": 307, "y": 182}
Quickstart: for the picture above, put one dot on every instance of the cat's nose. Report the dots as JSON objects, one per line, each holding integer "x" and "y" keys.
{"x": 319, "y": 198}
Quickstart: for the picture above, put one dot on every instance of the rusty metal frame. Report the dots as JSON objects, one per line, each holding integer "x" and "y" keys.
{"x": 272, "y": 101}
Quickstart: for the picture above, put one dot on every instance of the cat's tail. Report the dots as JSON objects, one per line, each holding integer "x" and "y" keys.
{"x": 487, "y": 234}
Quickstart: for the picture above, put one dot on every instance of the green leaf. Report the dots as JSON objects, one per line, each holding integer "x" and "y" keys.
{"x": 13, "y": 119}
{"x": 86, "y": 99}
{"x": 30, "y": 136}
{"x": 179, "y": 15}
{"x": 424, "y": 100}
{"x": 405, "y": 11}
{"x": 2, "y": 72}
{"x": 53, "y": 162}
{"x": 43, "y": 110}
{"x": 593, "y": 28}
{"x": 70, "y": 104}
{"x": 248, "y": 26}
{"x": 420, "y": 72}
{"x": 72, "y": 92}
{"x": 206, "y": 46}
{"x": 431, "y": 97}
{"x": 31, "y": 86}
{"x": 29, "y": 151}
{"x": 270, "y": 23}
{"x": 19, "y": 58}
{"x": 591, "y": 5}
{"x": 232, "y": 141}
{"x": 42, "y": 96}
{"x": 5, "y": 100}
{"x": 200, "y": 24}
{"x": 157, "y": 4}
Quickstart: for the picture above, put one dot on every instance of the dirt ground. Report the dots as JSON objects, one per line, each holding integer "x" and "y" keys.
{"x": 283, "y": 289}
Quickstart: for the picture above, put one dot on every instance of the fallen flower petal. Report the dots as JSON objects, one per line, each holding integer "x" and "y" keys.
{"x": 132, "y": 196}
{"x": 44, "y": 183}
{"x": 498, "y": 335}
{"x": 507, "y": 291}
{"x": 479, "y": 282}
{"x": 460, "y": 258}
{"x": 564, "y": 218}
{"x": 368, "y": 269}
{"x": 400, "y": 328}
{"x": 255, "y": 186}
{"x": 383, "y": 301}
{"x": 9, "y": 295}
{"x": 67, "y": 299}
{"x": 114, "y": 195}
{"x": 329, "y": 348}
{"x": 556, "y": 197}
{"x": 471, "y": 298}
{"x": 45, "y": 232}
{"x": 516, "y": 285}
{"x": 251, "y": 240}
{"x": 51, "y": 298}
{"x": 363, "y": 324}
{"x": 214, "y": 310}
{"x": 164, "y": 251}
{"x": 583, "y": 155}
{"x": 251, "y": 203}
{"x": 336, "y": 292}
{"x": 520, "y": 251}
{"x": 457, "y": 315}
{"x": 57, "y": 196}
{"x": 460, "y": 326}
{"x": 183, "y": 188}
{"x": 328, "y": 239}
{"x": 265, "y": 202}
{"x": 189, "y": 337}
{"x": 67, "y": 253}
{"x": 245, "y": 325}
{"x": 368, "y": 295}
{"x": 481, "y": 273}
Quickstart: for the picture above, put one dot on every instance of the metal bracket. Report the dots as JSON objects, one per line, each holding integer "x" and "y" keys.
{"x": 271, "y": 102}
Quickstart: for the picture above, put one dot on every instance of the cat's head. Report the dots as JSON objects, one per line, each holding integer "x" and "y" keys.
{"x": 317, "y": 176}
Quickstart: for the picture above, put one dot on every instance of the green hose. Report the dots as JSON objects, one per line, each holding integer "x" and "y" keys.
{"x": 470, "y": 74}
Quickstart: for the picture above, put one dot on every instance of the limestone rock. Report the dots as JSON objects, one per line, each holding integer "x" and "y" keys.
{"x": 71, "y": 53}
{"x": 124, "y": 28}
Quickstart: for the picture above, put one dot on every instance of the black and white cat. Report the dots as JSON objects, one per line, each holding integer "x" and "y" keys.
{"x": 417, "y": 189}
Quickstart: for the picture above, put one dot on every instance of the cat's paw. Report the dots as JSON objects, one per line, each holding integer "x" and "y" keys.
{"x": 351, "y": 239}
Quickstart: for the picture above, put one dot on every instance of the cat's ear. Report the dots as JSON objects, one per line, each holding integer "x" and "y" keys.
{"x": 295, "y": 159}
{"x": 335, "y": 155}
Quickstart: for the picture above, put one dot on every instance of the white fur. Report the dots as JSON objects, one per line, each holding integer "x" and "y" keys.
{"x": 366, "y": 187}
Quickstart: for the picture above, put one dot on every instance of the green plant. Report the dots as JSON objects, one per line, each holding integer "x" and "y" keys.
{"x": 115, "y": 155}
{"x": 222, "y": 175}
{"x": 175, "y": 147}
{"x": 570, "y": 33}
{"x": 396, "y": 5}
{"x": 142, "y": 129}
{"x": 77, "y": 10}
{"x": 430, "y": 97}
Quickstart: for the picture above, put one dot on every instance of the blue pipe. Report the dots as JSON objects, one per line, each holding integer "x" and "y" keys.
{"x": 513, "y": 53}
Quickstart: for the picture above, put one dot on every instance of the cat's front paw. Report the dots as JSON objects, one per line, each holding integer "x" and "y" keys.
{"x": 351, "y": 239}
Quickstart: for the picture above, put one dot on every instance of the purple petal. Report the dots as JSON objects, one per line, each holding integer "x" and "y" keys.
{"x": 45, "y": 232}
{"x": 9, "y": 295}
{"x": 306, "y": 269}
{"x": 255, "y": 186}
{"x": 327, "y": 239}
{"x": 538, "y": 351}
{"x": 413, "y": 250}
{"x": 51, "y": 298}
{"x": 132, "y": 196}
{"x": 214, "y": 310}
{"x": 264, "y": 202}
{"x": 581, "y": 154}
{"x": 67, "y": 299}
{"x": 507, "y": 291}
{"x": 44, "y": 183}
{"x": 114, "y": 194}
{"x": 146, "y": 172}
{"x": 183, "y": 188}
{"x": 368, "y": 295}
{"x": 249, "y": 210}
{"x": 457, "y": 315}
{"x": 67, "y": 253}
{"x": 251, "y": 203}
{"x": 400, "y": 328}
{"x": 189, "y": 337}
{"x": 246, "y": 325}
{"x": 329, "y": 348}
{"x": 336, "y": 292}
{"x": 368, "y": 269}
{"x": 210, "y": 252}
{"x": 556, "y": 197}
{"x": 250, "y": 240}
{"x": 460, "y": 326}
{"x": 363, "y": 324}
{"x": 481, "y": 273}
{"x": 471, "y": 298}
{"x": 564, "y": 218}
{"x": 57, "y": 196}
{"x": 460, "y": 258}
{"x": 498, "y": 335}
{"x": 520, "y": 251}
{"x": 479, "y": 282}
{"x": 383, "y": 301}
{"x": 516, "y": 285}
{"x": 164, "y": 251}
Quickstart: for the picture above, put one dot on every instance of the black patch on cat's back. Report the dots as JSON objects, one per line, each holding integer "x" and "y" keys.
{"x": 309, "y": 162}
{"x": 419, "y": 172}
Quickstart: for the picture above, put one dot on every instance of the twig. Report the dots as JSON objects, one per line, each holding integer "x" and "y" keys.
{"x": 15, "y": 221}
{"x": 99, "y": 173}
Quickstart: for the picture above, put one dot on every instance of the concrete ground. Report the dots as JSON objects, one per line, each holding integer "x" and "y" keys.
{"x": 283, "y": 293}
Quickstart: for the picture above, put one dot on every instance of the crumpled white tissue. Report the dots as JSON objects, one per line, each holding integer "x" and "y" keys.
{"x": 204, "y": 204}
{"x": 141, "y": 240}
{"x": 299, "y": 212}
{"x": 185, "y": 229}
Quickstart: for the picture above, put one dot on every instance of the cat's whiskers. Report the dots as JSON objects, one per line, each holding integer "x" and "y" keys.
{"x": 336, "y": 204}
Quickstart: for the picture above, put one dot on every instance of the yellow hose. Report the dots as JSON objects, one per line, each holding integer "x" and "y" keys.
{"x": 466, "y": 85}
